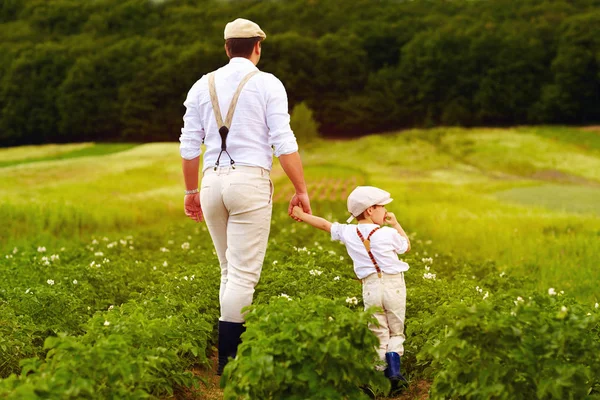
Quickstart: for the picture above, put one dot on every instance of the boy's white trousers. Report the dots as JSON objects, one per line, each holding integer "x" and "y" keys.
{"x": 237, "y": 206}
{"x": 388, "y": 293}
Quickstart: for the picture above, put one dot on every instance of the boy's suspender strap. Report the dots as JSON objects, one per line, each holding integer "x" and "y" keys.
{"x": 367, "y": 243}
{"x": 225, "y": 125}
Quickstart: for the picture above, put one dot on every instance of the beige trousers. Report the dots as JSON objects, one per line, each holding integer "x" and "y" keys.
{"x": 389, "y": 294}
{"x": 237, "y": 209}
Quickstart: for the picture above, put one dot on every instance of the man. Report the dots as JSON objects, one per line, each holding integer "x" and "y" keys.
{"x": 236, "y": 191}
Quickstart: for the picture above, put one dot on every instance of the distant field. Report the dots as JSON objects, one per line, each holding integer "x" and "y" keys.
{"x": 526, "y": 199}
{"x": 29, "y": 154}
{"x": 564, "y": 198}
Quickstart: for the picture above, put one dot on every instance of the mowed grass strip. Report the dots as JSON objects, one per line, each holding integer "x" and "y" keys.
{"x": 522, "y": 153}
{"x": 562, "y": 198}
{"x": 587, "y": 138}
{"x": 30, "y": 154}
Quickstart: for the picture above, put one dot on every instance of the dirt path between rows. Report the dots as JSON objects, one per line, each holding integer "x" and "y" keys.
{"x": 211, "y": 390}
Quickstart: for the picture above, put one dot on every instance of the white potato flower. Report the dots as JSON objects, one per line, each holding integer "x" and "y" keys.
{"x": 351, "y": 300}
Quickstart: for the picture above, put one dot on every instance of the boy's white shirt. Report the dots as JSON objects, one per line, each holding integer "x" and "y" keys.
{"x": 386, "y": 244}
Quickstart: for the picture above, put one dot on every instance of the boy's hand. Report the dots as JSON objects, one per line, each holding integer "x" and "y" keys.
{"x": 390, "y": 219}
{"x": 298, "y": 212}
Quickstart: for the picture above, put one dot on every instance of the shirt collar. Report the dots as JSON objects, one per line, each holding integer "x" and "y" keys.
{"x": 241, "y": 61}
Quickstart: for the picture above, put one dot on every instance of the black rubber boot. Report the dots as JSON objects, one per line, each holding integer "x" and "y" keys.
{"x": 368, "y": 391}
{"x": 229, "y": 339}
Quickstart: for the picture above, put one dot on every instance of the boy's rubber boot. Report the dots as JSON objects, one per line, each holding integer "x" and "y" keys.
{"x": 229, "y": 339}
{"x": 392, "y": 372}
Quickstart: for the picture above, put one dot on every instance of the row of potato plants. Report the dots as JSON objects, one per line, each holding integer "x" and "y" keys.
{"x": 473, "y": 330}
{"x": 128, "y": 316}
{"x": 116, "y": 317}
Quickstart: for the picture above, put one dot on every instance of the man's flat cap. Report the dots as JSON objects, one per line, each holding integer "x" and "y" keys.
{"x": 242, "y": 28}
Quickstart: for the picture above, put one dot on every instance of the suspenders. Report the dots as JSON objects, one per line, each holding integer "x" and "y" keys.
{"x": 367, "y": 243}
{"x": 225, "y": 125}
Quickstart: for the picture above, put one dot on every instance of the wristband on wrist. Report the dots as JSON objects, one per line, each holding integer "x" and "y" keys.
{"x": 194, "y": 191}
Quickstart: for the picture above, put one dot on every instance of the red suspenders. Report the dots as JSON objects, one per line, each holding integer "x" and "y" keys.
{"x": 367, "y": 244}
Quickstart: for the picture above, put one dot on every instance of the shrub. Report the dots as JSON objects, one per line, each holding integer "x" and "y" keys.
{"x": 18, "y": 335}
{"x": 130, "y": 352}
{"x": 544, "y": 347}
{"x": 303, "y": 123}
{"x": 312, "y": 348}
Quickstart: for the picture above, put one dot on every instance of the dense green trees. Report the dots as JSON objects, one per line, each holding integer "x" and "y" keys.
{"x": 74, "y": 70}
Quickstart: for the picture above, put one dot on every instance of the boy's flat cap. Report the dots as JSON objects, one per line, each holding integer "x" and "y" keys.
{"x": 364, "y": 197}
{"x": 242, "y": 28}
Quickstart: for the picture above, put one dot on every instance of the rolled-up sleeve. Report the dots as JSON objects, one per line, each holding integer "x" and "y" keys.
{"x": 281, "y": 136}
{"x": 399, "y": 242}
{"x": 192, "y": 133}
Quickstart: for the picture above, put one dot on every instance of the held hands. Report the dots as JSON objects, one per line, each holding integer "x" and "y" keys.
{"x": 192, "y": 208}
{"x": 297, "y": 213}
{"x": 302, "y": 201}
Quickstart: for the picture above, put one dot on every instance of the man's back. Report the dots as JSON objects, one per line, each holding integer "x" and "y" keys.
{"x": 260, "y": 121}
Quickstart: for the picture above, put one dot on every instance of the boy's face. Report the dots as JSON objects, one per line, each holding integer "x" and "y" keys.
{"x": 378, "y": 214}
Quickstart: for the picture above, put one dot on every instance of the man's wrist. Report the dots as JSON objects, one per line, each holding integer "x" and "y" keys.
{"x": 193, "y": 191}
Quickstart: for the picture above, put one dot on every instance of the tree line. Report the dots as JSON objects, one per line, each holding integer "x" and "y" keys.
{"x": 78, "y": 70}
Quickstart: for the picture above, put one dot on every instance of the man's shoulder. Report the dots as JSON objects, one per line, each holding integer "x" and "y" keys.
{"x": 268, "y": 75}
{"x": 200, "y": 84}
{"x": 270, "y": 79}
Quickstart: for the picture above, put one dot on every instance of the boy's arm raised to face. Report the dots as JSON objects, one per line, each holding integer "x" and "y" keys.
{"x": 312, "y": 220}
{"x": 390, "y": 218}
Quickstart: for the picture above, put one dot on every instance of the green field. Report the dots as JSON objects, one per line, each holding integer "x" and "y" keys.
{"x": 482, "y": 203}
{"x": 527, "y": 201}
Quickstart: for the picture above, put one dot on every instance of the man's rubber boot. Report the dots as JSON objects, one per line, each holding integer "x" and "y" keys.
{"x": 368, "y": 391}
{"x": 229, "y": 339}
{"x": 392, "y": 372}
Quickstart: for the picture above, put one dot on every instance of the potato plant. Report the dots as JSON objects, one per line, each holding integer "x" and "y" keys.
{"x": 130, "y": 315}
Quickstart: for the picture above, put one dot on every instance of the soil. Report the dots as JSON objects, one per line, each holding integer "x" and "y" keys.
{"x": 211, "y": 390}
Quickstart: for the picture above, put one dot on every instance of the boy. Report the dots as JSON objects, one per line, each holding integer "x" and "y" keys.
{"x": 374, "y": 250}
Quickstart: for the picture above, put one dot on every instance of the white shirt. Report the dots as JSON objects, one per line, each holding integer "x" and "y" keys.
{"x": 386, "y": 244}
{"x": 261, "y": 118}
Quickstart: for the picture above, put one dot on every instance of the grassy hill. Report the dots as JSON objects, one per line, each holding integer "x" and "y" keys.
{"x": 527, "y": 199}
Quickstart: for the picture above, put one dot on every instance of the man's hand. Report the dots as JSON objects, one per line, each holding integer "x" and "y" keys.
{"x": 390, "y": 219}
{"x": 299, "y": 200}
{"x": 192, "y": 208}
